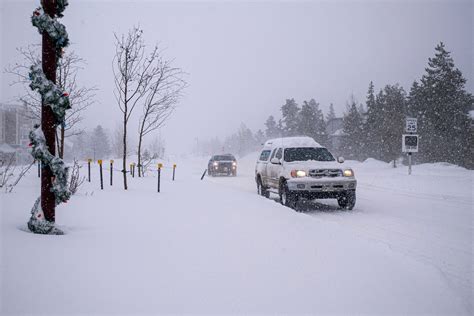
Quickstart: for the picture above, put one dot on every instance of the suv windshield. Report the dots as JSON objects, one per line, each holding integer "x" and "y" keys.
{"x": 307, "y": 153}
{"x": 224, "y": 157}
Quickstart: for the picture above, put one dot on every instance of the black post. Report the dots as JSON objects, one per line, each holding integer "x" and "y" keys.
{"x": 111, "y": 171}
{"x": 89, "y": 170}
{"x": 174, "y": 169}
{"x": 39, "y": 169}
{"x": 101, "y": 176}
{"x": 203, "y": 174}
{"x": 159, "y": 175}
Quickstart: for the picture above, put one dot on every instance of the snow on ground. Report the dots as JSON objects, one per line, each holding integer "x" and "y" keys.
{"x": 215, "y": 246}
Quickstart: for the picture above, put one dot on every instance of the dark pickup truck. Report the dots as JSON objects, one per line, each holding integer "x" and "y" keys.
{"x": 225, "y": 164}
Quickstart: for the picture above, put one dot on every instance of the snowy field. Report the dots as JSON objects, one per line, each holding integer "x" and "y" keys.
{"x": 215, "y": 246}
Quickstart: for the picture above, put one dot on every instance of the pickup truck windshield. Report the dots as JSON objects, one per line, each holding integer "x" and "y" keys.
{"x": 304, "y": 154}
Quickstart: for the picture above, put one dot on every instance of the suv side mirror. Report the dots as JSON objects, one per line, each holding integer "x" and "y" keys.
{"x": 340, "y": 159}
{"x": 275, "y": 161}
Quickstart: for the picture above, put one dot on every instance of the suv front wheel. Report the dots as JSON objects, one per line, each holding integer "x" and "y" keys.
{"x": 261, "y": 190}
{"x": 347, "y": 200}
{"x": 287, "y": 198}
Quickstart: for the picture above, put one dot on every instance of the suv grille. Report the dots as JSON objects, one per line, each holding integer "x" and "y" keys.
{"x": 320, "y": 173}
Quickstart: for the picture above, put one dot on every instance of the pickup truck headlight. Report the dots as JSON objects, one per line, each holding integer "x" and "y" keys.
{"x": 348, "y": 173}
{"x": 234, "y": 163}
{"x": 215, "y": 164}
{"x": 298, "y": 173}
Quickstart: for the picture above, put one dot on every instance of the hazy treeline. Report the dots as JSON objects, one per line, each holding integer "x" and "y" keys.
{"x": 374, "y": 128}
{"x": 438, "y": 100}
{"x": 99, "y": 143}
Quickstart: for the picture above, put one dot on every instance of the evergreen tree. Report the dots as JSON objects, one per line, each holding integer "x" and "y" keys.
{"x": 99, "y": 144}
{"x": 259, "y": 137}
{"x": 442, "y": 106}
{"x": 290, "y": 118}
{"x": 271, "y": 128}
{"x": 353, "y": 128}
{"x": 308, "y": 120}
{"x": 392, "y": 102}
{"x": 331, "y": 114}
{"x": 371, "y": 127}
{"x": 320, "y": 133}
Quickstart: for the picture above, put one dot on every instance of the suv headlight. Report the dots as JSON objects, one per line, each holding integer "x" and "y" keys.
{"x": 298, "y": 173}
{"x": 215, "y": 163}
{"x": 348, "y": 173}
{"x": 234, "y": 163}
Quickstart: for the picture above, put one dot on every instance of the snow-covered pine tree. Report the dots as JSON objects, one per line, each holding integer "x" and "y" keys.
{"x": 290, "y": 118}
{"x": 331, "y": 114}
{"x": 308, "y": 120}
{"x": 99, "y": 143}
{"x": 321, "y": 134}
{"x": 441, "y": 104}
{"x": 353, "y": 128}
{"x": 259, "y": 138}
{"x": 392, "y": 102}
{"x": 370, "y": 135}
{"x": 271, "y": 128}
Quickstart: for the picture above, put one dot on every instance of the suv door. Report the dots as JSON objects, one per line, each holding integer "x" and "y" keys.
{"x": 262, "y": 162}
{"x": 273, "y": 170}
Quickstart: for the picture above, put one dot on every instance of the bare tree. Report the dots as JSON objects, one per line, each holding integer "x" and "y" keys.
{"x": 9, "y": 172}
{"x": 162, "y": 95}
{"x": 133, "y": 71}
{"x": 75, "y": 181}
{"x": 80, "y": 97}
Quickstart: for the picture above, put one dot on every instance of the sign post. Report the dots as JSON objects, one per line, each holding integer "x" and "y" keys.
{"x": 174, "y": 170}
{"x": 410, "y": 141}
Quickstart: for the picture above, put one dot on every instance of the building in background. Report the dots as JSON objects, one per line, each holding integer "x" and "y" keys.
{"x": 15, "y": 124}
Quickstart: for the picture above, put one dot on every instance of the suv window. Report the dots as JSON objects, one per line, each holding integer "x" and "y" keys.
{"x": 264, "y": 155}
{"x": 308, "y": 153}
{"x": 273, "y": 153}
{"x": 279, "y": 153}
{"x": 223, "y": 157}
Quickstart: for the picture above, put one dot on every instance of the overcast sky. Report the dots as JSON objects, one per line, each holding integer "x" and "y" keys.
{"x": 245, "y": 58}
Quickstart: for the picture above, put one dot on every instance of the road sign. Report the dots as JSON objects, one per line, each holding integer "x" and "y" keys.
{"x": 409, "y": 143}
{"x": 410, "y": 125}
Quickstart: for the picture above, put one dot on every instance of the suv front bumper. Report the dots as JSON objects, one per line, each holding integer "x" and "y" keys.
{"x": 323, "y": 185}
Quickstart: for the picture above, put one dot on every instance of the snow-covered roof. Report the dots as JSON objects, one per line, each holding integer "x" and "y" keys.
{"x": 300, "y": 141}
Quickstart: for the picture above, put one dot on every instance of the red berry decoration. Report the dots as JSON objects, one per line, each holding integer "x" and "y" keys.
{"x": 65, "y": 94}
{"x": 36, "y": 13}
{"x": 30, "y": 144}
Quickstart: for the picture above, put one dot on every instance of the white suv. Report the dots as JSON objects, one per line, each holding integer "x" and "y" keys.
{"x": 298, "y": 167}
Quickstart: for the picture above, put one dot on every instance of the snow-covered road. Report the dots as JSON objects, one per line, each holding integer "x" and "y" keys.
{"x": 215, "y": 246}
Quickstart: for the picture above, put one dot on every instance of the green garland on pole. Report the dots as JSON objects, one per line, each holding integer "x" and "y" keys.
{"x": 58, "y": 100}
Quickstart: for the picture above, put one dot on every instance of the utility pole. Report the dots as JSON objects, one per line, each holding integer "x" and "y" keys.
{"x": 48, "y": 124}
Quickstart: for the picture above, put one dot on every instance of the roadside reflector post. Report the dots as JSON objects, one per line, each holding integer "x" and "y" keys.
{"x": 89, "y": 169}
{"x": 174, "y": 170}
{"x": 101, "y": 175}
{"x": 111, "y": 171}
{"x": 203, "y": 174}
{"x": 160, "y": 165}
{"x": 39, "y": 169}
{"x": 131, "y": 170}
